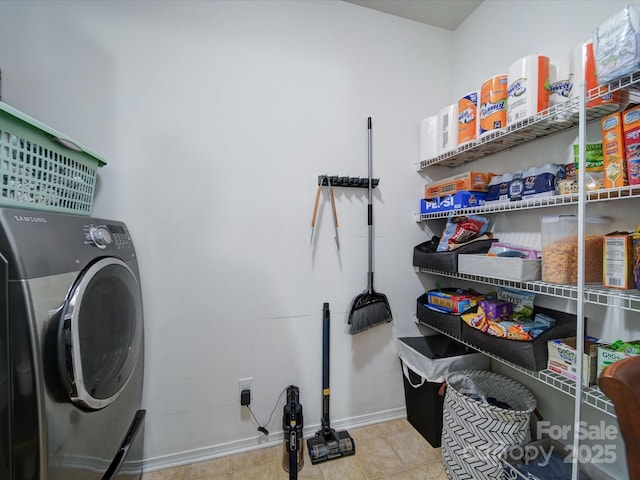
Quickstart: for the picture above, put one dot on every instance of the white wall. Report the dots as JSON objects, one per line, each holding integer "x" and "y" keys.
{"x": 216, "y": 119}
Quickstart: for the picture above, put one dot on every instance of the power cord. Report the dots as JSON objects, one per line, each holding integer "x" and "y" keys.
{"x": 261, "y": 428}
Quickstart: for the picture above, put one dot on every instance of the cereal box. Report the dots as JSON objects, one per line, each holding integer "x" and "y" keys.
{"x": 618, "y": 261}
{"x": 631, "y": 129}
{"x": 615, "y": 165}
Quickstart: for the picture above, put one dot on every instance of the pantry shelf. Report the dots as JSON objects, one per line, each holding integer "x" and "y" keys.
{"x": 628, "y": 82}
{"x": 554, "y": 119}
{"x": 619, "y": 193}
{"x": 552, "y": 201}
{"x": 591, "y": 395}
{"x": 595, "y": 294}
{"x": 604, "y": 195}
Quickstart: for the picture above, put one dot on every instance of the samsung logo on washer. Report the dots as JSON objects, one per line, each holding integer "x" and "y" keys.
{"x": 23, "y": 218}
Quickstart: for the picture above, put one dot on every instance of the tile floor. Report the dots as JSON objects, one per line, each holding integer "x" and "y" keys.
{"x": 386, "y": 451}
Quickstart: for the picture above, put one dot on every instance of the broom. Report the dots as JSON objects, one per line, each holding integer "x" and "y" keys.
{"x": 369, "y": 308}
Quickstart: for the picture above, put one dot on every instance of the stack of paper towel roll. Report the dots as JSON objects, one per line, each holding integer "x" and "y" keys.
{"x": 439, "y": 133}
{"x": 528, "y": 79}
{"x": 531, "y": 85}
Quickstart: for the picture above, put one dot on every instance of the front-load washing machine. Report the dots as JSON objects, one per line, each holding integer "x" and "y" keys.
{"x": 71, "y": 349}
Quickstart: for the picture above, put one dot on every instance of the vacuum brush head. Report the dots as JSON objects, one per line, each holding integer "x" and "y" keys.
{"x": 327, "y": 445}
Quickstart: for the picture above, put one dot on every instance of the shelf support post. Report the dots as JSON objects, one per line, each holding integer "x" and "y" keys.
{"x": 582, "y": 129}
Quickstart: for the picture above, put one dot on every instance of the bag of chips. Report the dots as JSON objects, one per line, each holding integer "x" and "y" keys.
{"x": 462, "y": 230}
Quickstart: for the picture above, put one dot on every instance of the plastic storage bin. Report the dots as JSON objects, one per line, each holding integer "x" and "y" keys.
{"x": 522, "y": 269}
{"x": 425, "y": 362}
{"x": 560, "y": 248}
{"x": 41, "y": 169}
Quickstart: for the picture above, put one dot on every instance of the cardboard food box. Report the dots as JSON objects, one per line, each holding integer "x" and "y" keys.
{"x": 497, "y": 310}
{"x": 617, "y": 262}
{"x": 475, "y": 181}
{"x": 463, "y": 199}
{"x": 615, "y": 165}
{"x": 607, "y": 356}
{"x": 563, "y": 357}
{"x": 450, "y": 300}
{"x": 443, "y": 322}
{"x": 631, "y": 129}
{"x": 430, "y": 205}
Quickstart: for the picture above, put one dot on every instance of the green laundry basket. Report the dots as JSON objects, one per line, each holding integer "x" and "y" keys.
{"x": 41, "y": 169}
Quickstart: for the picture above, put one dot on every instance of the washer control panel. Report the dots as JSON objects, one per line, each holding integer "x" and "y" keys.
{"x": 100, "y": 236}
{"x": 105, "y": 235}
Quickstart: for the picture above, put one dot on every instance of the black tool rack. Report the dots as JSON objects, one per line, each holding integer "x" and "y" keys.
{"x": 338, "y": 181}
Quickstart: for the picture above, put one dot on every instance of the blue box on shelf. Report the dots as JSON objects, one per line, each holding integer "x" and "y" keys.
{"x": 429, "y": 205}
{"x": 455, "y": 201}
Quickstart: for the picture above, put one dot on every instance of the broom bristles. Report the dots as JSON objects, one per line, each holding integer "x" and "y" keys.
{"x": 369, "y": 310}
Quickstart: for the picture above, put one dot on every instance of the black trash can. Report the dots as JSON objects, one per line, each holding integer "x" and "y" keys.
{"x": 425, "y": 361}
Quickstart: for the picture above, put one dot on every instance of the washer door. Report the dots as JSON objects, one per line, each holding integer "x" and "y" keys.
{"x": 101, "y": 333}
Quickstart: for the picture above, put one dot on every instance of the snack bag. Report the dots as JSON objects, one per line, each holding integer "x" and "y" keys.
{"x": 462, "y": 230}
{"x": 476, "y": 320}
{"x": 516, "y": 332}
{"x": 497, "y": 329}
{"x": 522, "y": 302}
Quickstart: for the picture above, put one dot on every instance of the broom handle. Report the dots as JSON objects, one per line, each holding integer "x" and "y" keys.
{"x": 370, "y": 210}
{"x": 325, "y": 365}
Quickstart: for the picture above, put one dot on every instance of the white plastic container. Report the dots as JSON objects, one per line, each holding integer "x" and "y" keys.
{"x": 560, "y": 248}
{"x": 522, "y": 269}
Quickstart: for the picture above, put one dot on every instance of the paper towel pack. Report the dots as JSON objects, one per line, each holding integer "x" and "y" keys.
{"x": 493, "y": 104}
{"x": 448, "y": 129}
{"x": 429, "y": 138}
{"x": 617, "y": 45}
{"x": 468, "y": 117}
{"x": 528, "y": 91}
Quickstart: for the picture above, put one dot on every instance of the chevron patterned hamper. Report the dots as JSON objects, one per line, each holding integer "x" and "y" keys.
{"x": 476, "y": 432}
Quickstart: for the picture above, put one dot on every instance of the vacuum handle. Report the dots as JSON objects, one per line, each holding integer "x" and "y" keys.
{"x": 326, "y": 322}
{"x": 293, "y": 439}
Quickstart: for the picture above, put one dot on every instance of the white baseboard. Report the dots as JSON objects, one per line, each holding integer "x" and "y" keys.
{"x": 253, "y": 443}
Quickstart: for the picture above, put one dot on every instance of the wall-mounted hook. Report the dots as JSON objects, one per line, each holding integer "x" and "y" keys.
{"x": 340, "y": 181}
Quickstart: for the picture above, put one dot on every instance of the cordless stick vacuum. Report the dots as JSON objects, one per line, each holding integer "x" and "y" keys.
{"x": 292, "y": 461}
{"x": 327, "y": 443}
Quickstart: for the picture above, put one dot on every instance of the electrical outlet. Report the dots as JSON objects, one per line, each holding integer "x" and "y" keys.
{"x": 245, "y": 384}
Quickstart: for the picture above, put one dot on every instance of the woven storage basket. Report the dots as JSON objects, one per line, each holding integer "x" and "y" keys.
{"x": 476, "y": 434}
{"x": 41, "y": 169}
